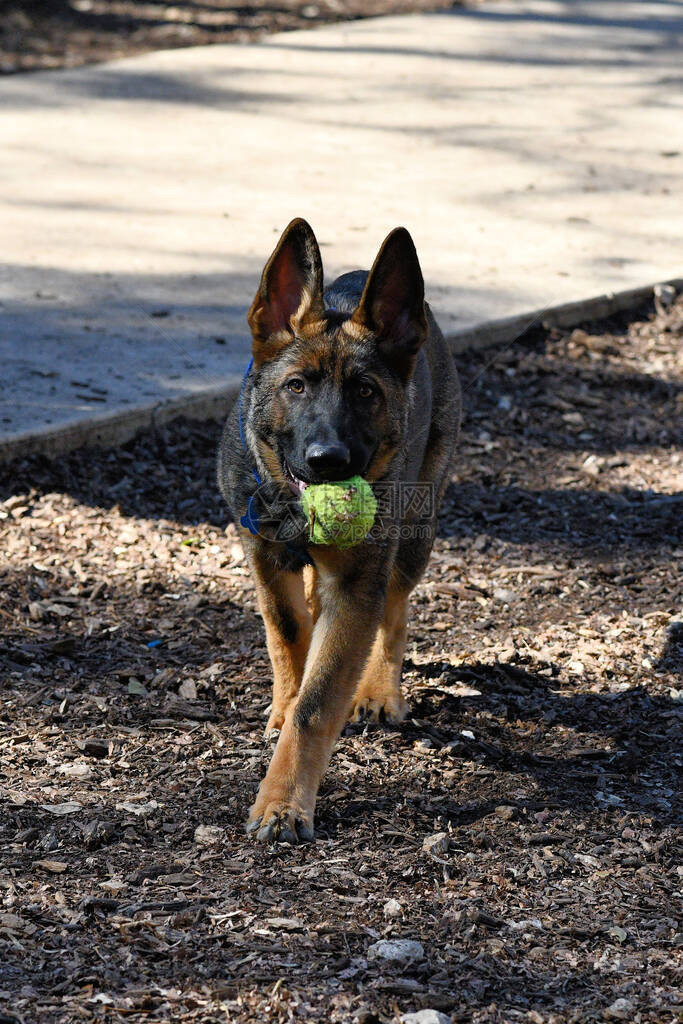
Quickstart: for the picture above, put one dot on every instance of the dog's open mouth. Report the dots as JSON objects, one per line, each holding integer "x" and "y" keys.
{"x": 297, "y": 486}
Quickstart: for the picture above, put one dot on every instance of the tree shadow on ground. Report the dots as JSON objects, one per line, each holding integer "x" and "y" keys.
{"x": 606, "y": 753}
{"x": 35, "y": 34}
{"x": 659, "y": 37}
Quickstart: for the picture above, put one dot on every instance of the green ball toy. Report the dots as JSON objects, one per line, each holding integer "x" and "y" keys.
{"x": 340, "y": 513}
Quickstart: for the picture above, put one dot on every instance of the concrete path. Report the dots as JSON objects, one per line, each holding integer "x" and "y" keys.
{"x": 534, "y": 149}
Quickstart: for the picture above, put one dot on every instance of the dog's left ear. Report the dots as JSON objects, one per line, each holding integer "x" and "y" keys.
{"x": 393, "y": 302}
{"x": 290, "y": 291}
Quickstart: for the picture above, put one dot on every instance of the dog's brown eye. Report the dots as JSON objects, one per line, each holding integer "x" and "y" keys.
{"x": 296, "y": 385}
{"x": 365, "y": 390}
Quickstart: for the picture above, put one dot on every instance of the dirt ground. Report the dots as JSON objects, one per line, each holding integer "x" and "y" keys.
{"x": 542, "y": 749}
{"x": 39, "y": 34}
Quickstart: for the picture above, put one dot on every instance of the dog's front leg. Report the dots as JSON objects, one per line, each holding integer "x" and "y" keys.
{"x": 289, "y": 624}
{"x": 342, "y": 639}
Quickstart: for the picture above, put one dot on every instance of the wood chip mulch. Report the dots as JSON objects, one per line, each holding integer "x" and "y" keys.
{"x": 40, "y": 34}
{"x": 519, "y": 829}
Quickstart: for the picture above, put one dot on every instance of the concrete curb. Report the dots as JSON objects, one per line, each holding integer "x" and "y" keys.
{"x": 118, "y": 427}
{"x": 213, "y": 403}
{"x": 569, "y": 314}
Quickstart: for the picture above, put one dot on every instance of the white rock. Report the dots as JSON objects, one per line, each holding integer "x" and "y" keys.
{"x": 621, "y": 1009}
{"x": 76, "y": 770}
{"x": 403, "y": 951}
{"x": 70, "y": 807}
{"x": 525, "y": 925}
{"x": 139, "y": 810}
{"x": 587, "y": 860}
{"x": 426, "y": 1017}
{"x": 113, "y": 885}
{"x": 437, "y": 844}
{"x": 392, "y": 909}
{"x": 208, "y": 835}
{"x": 188, "y": 689}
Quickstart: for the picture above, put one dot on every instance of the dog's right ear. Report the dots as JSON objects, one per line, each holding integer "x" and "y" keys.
{"x": 290, "y": 292}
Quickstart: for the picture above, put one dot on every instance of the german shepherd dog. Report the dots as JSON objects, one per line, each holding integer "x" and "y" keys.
{"x": 354, "y": 379}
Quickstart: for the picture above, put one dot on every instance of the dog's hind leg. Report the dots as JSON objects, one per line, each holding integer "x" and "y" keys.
{"x": 378, "y": 697}
{"x": 311, "y": 591}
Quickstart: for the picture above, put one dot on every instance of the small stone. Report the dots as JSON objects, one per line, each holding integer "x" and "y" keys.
{"x": 35, "y": 611}
{"x": 70, "y": 807}
{"x": 587, "y": 860}
{"x": 113, "y": 885}
{"x": 620, "y": 1009}
{"x": 188, "y": 689}
{"x": 76, "y": 770}
{"x": 460, "y": 690}
{"x": 526, "y": 924}
{"x": 208, "y": 835}
{"x": 426, "y": 1017}
{"x": 402, "y": 951}
{"x": 392, "y": 909}
{"x": 101, "y": 997}
{"x": 591, "y": 466}
{"x": 505, "y": 812}
{"x": 141, "y": 810}
{"x": 437, "y": 844}
{"x": 505, "y": 596}
{"x": 285, "y": 924}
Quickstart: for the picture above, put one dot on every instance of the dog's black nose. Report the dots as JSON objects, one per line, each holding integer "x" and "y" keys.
{"x": 331, "y": 457}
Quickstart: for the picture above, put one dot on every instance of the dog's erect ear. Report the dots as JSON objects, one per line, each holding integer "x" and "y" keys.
{"x": 290, "y": 291}
{"x": 392, "y": 304}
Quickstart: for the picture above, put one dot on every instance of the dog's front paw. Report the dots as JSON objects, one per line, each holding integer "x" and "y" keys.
{"x": 282, "y": 822}
{"x": 378, "y": 704}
